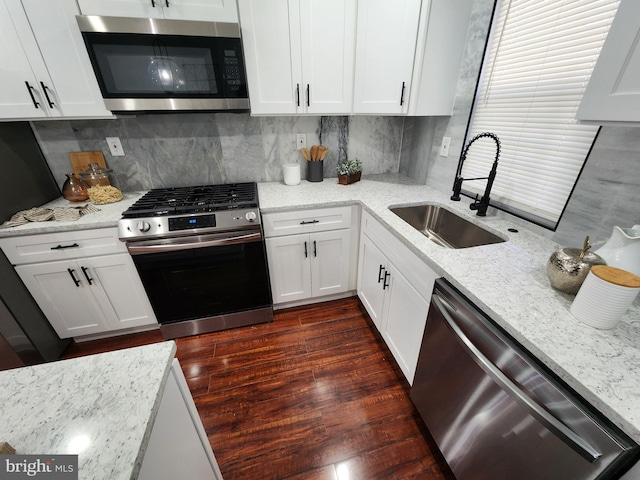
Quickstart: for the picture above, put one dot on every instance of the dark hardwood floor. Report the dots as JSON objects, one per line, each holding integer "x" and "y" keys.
{"x": 314, "y": 395}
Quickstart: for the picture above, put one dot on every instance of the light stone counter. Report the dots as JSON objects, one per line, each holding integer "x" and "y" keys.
{"x": 101, "y": 407}
{"x": 508, "y": 281}
{"x": 108, "y": 216}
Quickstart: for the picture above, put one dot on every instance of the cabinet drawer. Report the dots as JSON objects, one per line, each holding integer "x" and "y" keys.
{"x": 59, "y": 246}
{"x": 306, "y": 221}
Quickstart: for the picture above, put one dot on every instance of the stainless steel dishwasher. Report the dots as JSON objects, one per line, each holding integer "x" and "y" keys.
{"x": 496, "y": 413}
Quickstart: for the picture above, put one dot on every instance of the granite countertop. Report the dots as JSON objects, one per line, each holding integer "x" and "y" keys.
{"x": 508, "y": 281}
{"x": 101, "y": 407}
{"x": 108, "y": 216}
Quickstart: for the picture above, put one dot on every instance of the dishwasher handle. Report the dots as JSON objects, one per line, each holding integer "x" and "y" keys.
{"x": 554, "y": 425}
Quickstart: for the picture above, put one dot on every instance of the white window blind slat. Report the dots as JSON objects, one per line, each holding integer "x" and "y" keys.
{"x": 535, "y": 73}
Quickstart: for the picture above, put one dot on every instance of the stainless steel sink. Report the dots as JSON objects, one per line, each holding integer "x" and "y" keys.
{"x": 445, "y": 227}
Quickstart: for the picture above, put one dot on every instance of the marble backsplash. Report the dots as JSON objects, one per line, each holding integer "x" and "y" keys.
{"x": 166, "y": 150}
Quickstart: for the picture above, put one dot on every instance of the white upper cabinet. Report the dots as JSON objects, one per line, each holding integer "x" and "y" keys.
{"x": 202, "y": 10}
{"x": 442, "y": 38}
{"x": 46, "y": 71}
{"x": 385, "y": 50}
{"x": 269, "y": 60}
{"x": 613, "y": 92}
{"x": 299, "y": 55}
{"x": 18, "y": 80}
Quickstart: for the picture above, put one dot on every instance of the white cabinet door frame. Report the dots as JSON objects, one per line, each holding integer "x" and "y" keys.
{"x": 118, "y": 290}
{"x": 70, "y": 308}
{"x": 613, "y": 92}
{"x": 62, "y": 80}
{"x": 371, "y": 269}
{"x": 74, "y": 90}
{"x": 406, "y": 316}
{"x": 18, "y": 50}
{"x": 299, "y": 55}
{"x": 330, "y": 262}
{"x": 327, "y": 39}
{"x": 89, "y": 295}
{"x": 289, "y": 267}
{"x": 199, "y": 10}
{"x": 385, "y": 51}
{"x": 274, "y": 69}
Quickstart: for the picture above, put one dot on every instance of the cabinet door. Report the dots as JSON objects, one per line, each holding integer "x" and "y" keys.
{"x": 289, "y": 267}
{"x": 117, "y": 288}
{"x": 122, "y": 8}
{"x": 385, "y": 48}
{"x": 613, "y": 93}
{"x": 70, "y": 308}
{"x": 270, "y": 39}
{"x": 328, "y": 41}
{"x": 372, "y": 267}
{"x": 15, "y": 101}
{"x": 74, "y": 90}
{"x": 405, "y": 317}
{"x": 330, "y": 261}
{"x": 202, "y": 10}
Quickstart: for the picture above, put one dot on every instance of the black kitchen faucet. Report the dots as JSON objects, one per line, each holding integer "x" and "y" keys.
{"x": 482, "y": 204}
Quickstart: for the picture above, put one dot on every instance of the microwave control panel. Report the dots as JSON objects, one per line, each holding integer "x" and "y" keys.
{"x": 232, "y": 70}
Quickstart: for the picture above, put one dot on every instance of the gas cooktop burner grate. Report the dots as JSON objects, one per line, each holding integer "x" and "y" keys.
{"x": 197, "y": 199}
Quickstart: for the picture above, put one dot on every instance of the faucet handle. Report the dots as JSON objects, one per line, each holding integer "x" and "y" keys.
{"x": 457, "y": 187}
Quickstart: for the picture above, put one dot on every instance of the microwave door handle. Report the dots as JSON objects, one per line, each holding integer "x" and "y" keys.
{"x": 178, "y": 245}
{"x": 563, "y": 432}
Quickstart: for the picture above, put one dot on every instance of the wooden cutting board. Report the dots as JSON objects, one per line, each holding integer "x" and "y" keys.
{"x": 80, "y": 160}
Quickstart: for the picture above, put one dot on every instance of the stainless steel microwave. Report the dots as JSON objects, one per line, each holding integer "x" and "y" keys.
{"x": 145, "y": 64}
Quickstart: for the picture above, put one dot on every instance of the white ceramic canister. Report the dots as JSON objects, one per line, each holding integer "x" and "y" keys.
{"x": 291, "y": 173}
{"x": 605, "y": 296}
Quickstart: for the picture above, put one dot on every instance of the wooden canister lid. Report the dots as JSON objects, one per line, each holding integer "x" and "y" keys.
{"x": 616, "y": 276}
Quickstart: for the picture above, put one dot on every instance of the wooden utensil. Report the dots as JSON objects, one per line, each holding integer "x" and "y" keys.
{"x": 322, "y": 152}
{"x": 305, "y": 153}
{"x": 314, "y": 153}
{"x": 80, "y": 160}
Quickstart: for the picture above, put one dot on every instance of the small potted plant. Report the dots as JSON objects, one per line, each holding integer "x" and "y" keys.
{"x": 349, "y": 171}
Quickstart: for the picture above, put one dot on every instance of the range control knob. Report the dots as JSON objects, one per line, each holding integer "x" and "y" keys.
{"x": 250, "y": 216}
{"x": 143, "y": 226}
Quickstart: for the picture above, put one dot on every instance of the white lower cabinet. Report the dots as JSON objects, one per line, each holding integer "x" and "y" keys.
{"x": 394, "y": 286}
{"x": 88, "y": 295}
{"x": 84, "y": 281}
{"x": 311, "y": 253}
{"x": 308, "y": 265}
{"x": 178, "y": 446}
{"x": 371, "y": 278}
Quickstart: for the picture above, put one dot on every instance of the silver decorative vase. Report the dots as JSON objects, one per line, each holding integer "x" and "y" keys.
{"x": 568, "y": 267}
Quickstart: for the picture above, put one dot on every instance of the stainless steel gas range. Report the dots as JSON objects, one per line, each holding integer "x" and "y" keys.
{"x": 200, "y": 254}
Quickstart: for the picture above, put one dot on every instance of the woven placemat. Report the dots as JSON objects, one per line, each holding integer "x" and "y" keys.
{"x": 6, "y": 449}
{"x": 40, "y": 214}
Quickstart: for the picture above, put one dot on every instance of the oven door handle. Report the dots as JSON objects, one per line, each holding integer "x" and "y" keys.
{"x": 189, "y": 243}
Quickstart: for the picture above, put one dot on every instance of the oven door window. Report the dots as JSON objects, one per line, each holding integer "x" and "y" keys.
{"x": 205, "y": 282}
{"x": 150, "y": 66}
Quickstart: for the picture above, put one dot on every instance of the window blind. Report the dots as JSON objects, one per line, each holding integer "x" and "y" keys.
{"x": 536, "y": 68}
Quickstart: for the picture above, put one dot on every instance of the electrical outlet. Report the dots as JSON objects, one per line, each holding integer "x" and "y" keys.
{"x": 115, "y": 147}
{"x": 444, "y": 148}
{"x": 301, "y": 141}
